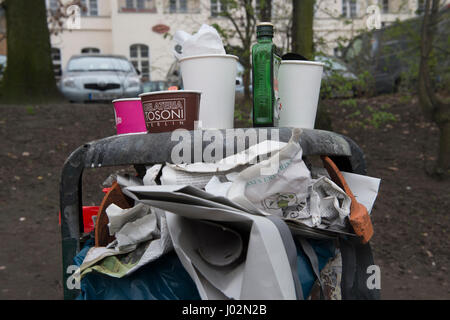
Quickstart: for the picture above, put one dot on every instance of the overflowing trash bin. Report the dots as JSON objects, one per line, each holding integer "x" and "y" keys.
{"x": 282, "y": 216}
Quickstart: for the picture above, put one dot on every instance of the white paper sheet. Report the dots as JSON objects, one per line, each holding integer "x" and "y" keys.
{"x": 364, "y": 188}
{"x": 266, "y": 257}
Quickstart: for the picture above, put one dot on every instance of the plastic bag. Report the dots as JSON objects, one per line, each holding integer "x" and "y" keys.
{"x": 206, "y": 41}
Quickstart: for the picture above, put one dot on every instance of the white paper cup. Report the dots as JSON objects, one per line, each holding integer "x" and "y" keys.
{"x": 215, "y": 76}
{"x": 299, "y": 89}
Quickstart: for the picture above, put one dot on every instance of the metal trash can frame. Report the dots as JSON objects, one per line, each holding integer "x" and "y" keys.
{"x": 147, "y": 149}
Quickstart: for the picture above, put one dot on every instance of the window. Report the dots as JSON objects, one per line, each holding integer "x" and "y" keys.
{"x": 336, "y": 51}
{"x": 53, "y": 5}
{"x": 420, "y": 6}
{"x": 349, "y": 8}
{"x": 139, "y": 57}
{"x": 90, "y": 8}
{"x": 140, "y": 4}
{"x": 182, "y": 6}
{"x": 56, "y": 59}
{"x": 137, "y": 6}
{"x": 385, "y": 6}
{"x": 353, "y": 8}
{"x": 2, "y": 23}
{"x": 173, "y": 6}
{"x": 178, "y": 6}
{"x": 257, "y": 7}
{"x": 90, "y": 50}
{"x": 218, "y": 7}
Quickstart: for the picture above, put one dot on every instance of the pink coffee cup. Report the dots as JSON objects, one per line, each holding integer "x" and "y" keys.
{"x": 129, "y": 116}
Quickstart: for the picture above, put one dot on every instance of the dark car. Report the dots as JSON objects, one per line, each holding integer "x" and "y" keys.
{"x": 391, "y": 55}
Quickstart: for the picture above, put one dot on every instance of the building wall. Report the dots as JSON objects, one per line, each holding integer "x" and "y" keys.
{"x": 113, "y": 31}
{"x": 72, "y": 42}
{"x": 3, "y": 47}
{"x": 95, "y": 32}
{"x": 333, "y": 26}
{"x": 136, "y": 28}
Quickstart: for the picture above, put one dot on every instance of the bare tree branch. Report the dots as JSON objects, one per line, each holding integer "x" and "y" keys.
{"x": 56, "y": 18}
{"x": 233, "y": 21}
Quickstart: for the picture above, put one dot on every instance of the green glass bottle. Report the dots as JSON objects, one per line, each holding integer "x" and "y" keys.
{"x": 265, "y": 64}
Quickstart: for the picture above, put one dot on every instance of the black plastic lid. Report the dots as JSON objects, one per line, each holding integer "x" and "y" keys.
{"x": 264, "y": 29}
{"x": 293, "y": 56}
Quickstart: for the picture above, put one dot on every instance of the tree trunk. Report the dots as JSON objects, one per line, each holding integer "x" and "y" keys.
{"x": 426, "y": 46}
{"x": 443, "y": 165}
{"x": 432, "y": 106}
{"x": 246, "y": 63}
{"x": 266, "y": 10}
{"x": 302, "y": 27}
{"x": 29, "y": 73}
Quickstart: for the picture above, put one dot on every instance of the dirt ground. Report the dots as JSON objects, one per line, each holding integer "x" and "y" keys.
{"x": 411, "y": 216}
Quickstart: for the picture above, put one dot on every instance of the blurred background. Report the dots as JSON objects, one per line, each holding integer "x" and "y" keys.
{"x": 385, "y": 85}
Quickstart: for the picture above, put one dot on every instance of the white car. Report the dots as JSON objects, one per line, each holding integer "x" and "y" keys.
{"x": 99, "y": 78}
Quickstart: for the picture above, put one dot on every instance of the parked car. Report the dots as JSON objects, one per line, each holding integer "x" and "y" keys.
{"x": 391, "y": 54}
{"x": 152, "y": 86}
{"x": 99, "y": 78}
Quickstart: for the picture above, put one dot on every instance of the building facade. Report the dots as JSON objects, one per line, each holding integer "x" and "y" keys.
{"x": 138, "y": 29}
{"x": 337, "y": 21}
{"x": 141, "y": 29}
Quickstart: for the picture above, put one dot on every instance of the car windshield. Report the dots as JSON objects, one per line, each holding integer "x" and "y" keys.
{"x": 99, "y": 64}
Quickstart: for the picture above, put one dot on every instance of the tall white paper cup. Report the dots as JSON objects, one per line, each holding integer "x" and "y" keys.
{"x": 299, "y": 88}
{"x": 215, "y": 76}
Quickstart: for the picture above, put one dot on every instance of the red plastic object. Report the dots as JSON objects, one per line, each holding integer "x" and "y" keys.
{"x": 88, "y": 213}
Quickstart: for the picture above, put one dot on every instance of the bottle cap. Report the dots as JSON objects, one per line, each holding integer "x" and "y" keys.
{"x": 264, "y": 29}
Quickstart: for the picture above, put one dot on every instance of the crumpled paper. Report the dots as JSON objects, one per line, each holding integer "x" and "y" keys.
{"x": 140, "y": 239}
{"x": 118, "y": 217}
{"x": 290, "y": 192}
{"x": 206, "y": 41}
